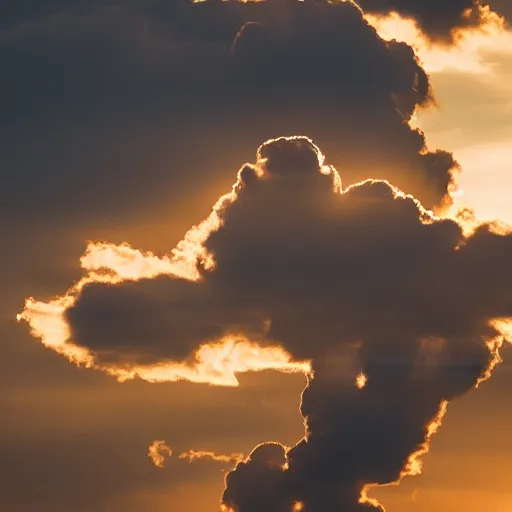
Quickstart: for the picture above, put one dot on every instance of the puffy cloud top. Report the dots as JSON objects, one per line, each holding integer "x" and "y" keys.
{"x": 350, "y": 279}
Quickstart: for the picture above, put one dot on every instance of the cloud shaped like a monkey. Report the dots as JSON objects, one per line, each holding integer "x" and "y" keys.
{"x": 292, "y": 266}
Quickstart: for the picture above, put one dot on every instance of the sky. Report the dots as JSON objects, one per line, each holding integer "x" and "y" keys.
{"x": 124, "y": 122}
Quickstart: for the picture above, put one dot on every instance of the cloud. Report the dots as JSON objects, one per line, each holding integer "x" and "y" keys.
{"x": 157, "y": 452}
{"x": 84, "y": 64}
{"x": 439, "y": 20}
{"x": 134, "y": 91}
{"x": 129, "y": 147}
{"x": 256, "y": 484}
{"x": 503, "y": 7}
{"x": 196, "y": 455}
{"x": 339, "y": 281}
{"x": 309, "y": 61}
{"x": 471, "y": 52}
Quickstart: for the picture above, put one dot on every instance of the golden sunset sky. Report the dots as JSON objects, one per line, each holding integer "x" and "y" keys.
{"x": 79, "y": 169}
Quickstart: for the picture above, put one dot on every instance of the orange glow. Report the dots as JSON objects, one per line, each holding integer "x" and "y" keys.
{"x": 298, "y": 506}
{"x": 504, "y": 327}
{"x": 463, "y": 55}
{"x": 194, "y": 455}
{"x": 361, "y": 380}
{"x": 216, "y": 362}
{"x": 157, "y": 452}
{"x": 364, "y": 499}
{"x": 123, "y": 263}
{"x": 494, "y": 346}
{"x": 470, "y": 53}
{"x": 486, "y": 194}
{"x": 414, "y": 465}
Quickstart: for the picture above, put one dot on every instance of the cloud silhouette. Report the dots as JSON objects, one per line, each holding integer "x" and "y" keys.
{"x": 158, "y": 451}
{"x": 155, "y": 81}
{"x": 436, "y": 18}
{"x": 293, "y": 268}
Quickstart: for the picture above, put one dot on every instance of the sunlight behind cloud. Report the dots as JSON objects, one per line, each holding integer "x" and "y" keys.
{"x": 482, "y": 55}
{"x": 466, "y": 55}
{"x": 216, "y": 363}
{"x": 157, "y": 452}
{"x": 488, "y": 193}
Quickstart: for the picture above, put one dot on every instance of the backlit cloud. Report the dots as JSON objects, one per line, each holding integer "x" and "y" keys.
{"x": 197, "y": 455}
{"x": 298, "y": 273}
{"x": 439, "y": 20}
{"x": 156, "y": 82}
{"x": 157, "y": 452}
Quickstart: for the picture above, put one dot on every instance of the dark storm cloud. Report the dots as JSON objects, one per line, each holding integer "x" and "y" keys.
{"x": 436, "y": 18}
{"x": 359, "y": 280}
{"x": 105, "y": 105}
